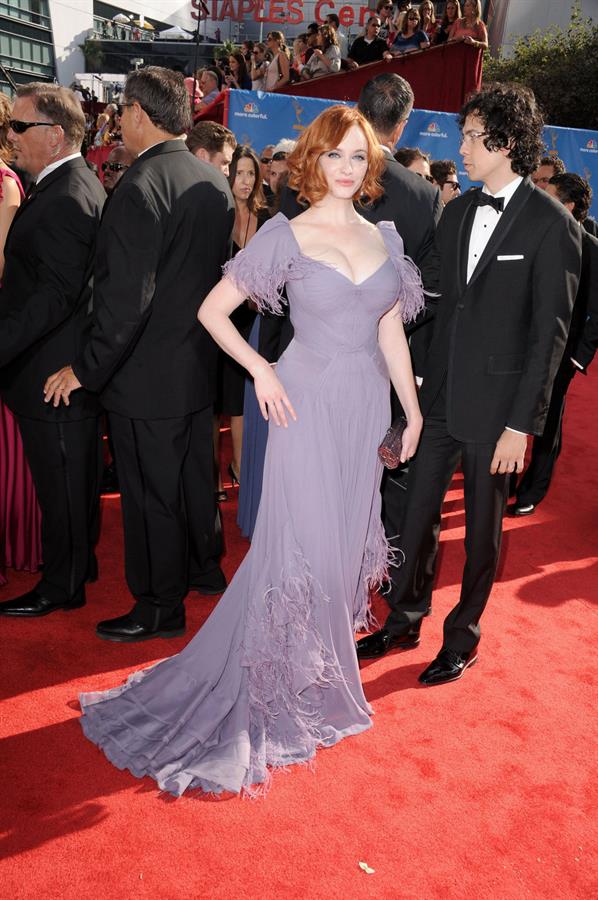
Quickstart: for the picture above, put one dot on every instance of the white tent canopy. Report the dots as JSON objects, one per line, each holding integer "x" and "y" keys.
{"x": 176, "y": 33}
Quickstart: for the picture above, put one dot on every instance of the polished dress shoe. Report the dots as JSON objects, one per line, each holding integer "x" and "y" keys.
{"x": 448, "y": 666}
{"x": 33, "y": 604}
{"x": 110, "y": 484}
{"x": 521, "y": 509}
{"x": 211, "y": 583}
{"x": 380, "y": 642}
{"x": 125, "y": 630}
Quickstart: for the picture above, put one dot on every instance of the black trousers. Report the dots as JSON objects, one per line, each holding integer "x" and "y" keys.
{"x": 534, "y": 485}
{"x": 65, "y": 459}
{"x": 165, "y": 468}
{"x": 430, "y": 474}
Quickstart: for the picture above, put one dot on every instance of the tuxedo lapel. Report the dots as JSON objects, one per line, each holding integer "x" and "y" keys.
{"x": 508, "y": 217}
{"x": 463, "y": 236}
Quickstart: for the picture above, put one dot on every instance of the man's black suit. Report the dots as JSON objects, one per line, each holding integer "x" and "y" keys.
{"x": 164, "y": 238}
{"x": 44, "y": 317}
{"x": 497, "y": 344}
{"x": 581, "y": 346}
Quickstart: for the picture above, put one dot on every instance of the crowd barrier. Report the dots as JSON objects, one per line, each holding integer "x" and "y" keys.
{"x": 441, "y": 77}
{"x": 258, "y": 118}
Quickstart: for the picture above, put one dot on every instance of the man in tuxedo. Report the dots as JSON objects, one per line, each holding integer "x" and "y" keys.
{"x": 510, "y": 262}
{"x": 576, "y": 196}
{"x": 164, "y": 238}
{"x": 44, "y": 316}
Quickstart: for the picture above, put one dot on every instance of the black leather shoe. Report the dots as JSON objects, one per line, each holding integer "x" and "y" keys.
{"x": 210, "y": 584}
{"x": 33, "y": 604}
{"x": 521, "y": 509}
{"x": 448, "y": 666}
{"x": 110, "y": 483}
{"x": 125, "y": 630}
{"x": 380, "y": 642}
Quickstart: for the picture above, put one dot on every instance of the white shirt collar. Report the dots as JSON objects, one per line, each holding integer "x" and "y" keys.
{"x": 55, "y": 165}
{"x": 508, "y": 190}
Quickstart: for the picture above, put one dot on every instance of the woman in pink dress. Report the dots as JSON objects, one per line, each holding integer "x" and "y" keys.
{"x": 470, "y": 29}
{"x": 19, "y": 512}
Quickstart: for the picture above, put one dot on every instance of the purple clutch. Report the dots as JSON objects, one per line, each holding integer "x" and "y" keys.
{"x": 390, "y": 449}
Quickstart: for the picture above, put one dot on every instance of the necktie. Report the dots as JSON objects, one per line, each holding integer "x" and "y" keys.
{"x": 481, "y": 199}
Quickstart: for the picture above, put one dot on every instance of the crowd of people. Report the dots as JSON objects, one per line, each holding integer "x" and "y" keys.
{"x": 326, "y": 270}
{"x": 324, "y": 49}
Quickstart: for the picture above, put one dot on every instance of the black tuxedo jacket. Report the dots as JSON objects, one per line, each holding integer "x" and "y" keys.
{"x": 45, "y": 295}
{"x": 583, "y": 336}
{"x": 499, "y": 339}
{"x": 163, "y": 240}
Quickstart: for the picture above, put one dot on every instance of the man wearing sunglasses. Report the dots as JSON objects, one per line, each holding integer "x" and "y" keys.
{"x": 119, "y": 160}
{"x": 444, "y": 175}
{"x": 44, "y": 316}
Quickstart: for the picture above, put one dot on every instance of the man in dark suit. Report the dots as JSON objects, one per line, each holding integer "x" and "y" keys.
{"x": 44, "y": 316}
{"x": 576, "y": 196}
{"x": 510, "y": 262}
{"x": 164, "y": 238}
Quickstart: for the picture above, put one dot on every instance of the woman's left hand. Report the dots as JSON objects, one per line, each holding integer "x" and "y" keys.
{"x": 411, "y": 437}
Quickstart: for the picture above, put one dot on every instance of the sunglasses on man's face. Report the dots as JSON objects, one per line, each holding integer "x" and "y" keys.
{"x": 113, "y": 167}
{"x": 454, "y": 185}
{"x": 266, "y": 160}
{"x": 20, "y": 127}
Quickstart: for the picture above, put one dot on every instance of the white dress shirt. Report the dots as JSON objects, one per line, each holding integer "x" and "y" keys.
{"x": 485, "y": 221}
{"x": 55, "y": 165}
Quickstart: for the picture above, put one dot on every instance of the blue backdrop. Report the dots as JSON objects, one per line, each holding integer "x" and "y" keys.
{"x": 258, "y": 119}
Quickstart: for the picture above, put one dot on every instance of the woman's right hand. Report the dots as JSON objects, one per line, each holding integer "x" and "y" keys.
{"x": 271, "y": 396}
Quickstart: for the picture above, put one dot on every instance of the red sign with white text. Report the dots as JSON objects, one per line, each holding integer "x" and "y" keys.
{"x": 279, "y": 12}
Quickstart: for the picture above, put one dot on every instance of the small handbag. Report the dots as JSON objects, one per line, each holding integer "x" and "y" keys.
{"x": 390, "y": 449}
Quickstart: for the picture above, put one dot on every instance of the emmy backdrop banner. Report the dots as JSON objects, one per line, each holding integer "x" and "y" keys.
{"x": 258, "y": 118}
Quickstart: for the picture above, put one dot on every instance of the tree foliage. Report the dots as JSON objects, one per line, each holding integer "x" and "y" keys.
{"x": 560, "y": 65}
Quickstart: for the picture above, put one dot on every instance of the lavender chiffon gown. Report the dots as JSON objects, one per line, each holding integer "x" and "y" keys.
{"x": 273, "y": 672}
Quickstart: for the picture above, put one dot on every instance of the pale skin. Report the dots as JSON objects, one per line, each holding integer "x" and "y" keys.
{"x": 334, "y": 233}
{"x": 243, "y": 230}
{"x": 493, "y": 168}
{"x": 11, "y": 200}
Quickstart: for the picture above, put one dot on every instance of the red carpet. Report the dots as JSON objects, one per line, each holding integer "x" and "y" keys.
{"x": 479, "y": 789}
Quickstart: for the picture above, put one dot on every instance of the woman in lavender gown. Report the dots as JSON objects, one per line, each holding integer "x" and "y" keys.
{"x": 272, "y": 675}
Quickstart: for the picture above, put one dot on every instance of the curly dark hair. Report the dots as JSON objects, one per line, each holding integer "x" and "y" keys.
{"x": 572, "y": 188}
{"x": 557, "y": 164}
{"x": 440, "y": 170}
{"x": 511, "y": 120}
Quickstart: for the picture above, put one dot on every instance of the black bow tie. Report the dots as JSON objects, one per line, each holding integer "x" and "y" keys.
{"x": 481, "y": 199}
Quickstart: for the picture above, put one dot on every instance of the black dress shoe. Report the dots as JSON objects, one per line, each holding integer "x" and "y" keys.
{"x": 448, "y": 666}
{"x": 211, "y": 583}
{"x": 380, "y": 642}
{"x": 521, "y": 509}
{"x": 125, "y": 630}
{"x": 110, "y": 484}
{"x": 33, "y": 604}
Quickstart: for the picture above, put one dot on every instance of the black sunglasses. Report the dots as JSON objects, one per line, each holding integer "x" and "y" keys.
{"x": 454, "y": 185}
{"x": 113, "y": 167}
{"x": 266, "y": 159}
{"x": 282, "y": 154}
{"x": 20, "y": 127}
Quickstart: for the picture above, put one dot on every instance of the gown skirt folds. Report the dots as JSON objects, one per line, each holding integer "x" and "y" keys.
{"x": 273, "y": 672}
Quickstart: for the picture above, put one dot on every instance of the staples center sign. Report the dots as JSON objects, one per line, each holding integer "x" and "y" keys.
{"x": 279, "y": 12}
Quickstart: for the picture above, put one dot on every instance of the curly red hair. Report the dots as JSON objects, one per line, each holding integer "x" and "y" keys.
{"x": 325, "y": 133}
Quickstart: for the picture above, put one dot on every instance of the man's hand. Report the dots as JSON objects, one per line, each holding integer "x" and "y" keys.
{"x": 509, "y": 453}
{"x": 60, "y": 386}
